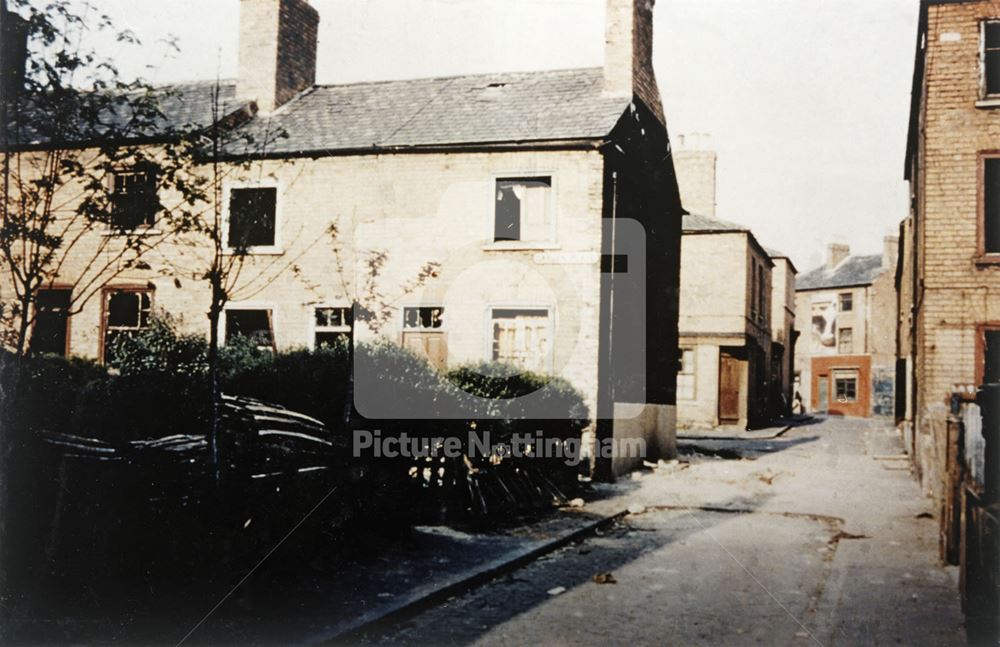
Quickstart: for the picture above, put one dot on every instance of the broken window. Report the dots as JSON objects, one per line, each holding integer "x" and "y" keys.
{"x": 254, "y": 325}
{"x": 846, "y": 387}
{"x": 846, "y": 301}
{"x": 685, "y": 376}
{"x": 990, "y": 64}
{"x": 133, "y": 199}
{"x": 50, "y": 333}
{"x": 126, "y": 311}
{"x": 422, "y": 334}
{"x": 333, "y": 326}
{"x": 252, "y": 217}
{"x": 522, "y": 337}
{"x": 523, "y": 209}
{"x": 991, "y": 205}
{"x": 845, "y": 341}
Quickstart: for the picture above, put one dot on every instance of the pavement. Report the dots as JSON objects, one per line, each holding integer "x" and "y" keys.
{"x": 819, "y": 536}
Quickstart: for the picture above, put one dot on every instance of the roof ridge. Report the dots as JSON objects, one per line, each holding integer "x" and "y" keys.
{"x": 449, "y": 77}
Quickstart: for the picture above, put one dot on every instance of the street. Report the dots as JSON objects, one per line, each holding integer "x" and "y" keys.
{"x": 819, "y": 536}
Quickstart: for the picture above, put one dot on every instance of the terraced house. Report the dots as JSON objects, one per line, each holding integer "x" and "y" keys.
{"x": 535, "y": 196}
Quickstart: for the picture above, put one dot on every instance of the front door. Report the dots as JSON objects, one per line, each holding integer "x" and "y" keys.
{"x": 729, "y": 389}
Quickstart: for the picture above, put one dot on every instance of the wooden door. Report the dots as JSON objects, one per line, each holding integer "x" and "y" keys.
{"x": 432, "y": 345}
{"x": 729, "y": 389}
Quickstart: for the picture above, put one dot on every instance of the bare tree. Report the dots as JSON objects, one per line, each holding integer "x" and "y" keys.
{"x": 95, "y": 176}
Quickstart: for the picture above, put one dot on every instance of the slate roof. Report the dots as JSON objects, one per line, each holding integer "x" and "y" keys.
{"x": 182, "y": 104}
{"x": 853, "y": 270}
{"x": 472, "y": 109}
{"x": 695, "y": 223}
{"x": 513, "y": 108}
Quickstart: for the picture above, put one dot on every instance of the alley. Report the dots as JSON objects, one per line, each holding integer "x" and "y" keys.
{"x": 819, "y": 536}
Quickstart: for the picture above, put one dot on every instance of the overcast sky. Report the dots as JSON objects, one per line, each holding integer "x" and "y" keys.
{"x": 805, "y": 100}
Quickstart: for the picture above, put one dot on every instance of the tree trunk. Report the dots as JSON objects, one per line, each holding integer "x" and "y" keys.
{"x": 216, "y": 392}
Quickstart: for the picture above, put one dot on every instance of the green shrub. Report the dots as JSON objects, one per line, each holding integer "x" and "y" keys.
{"x": 159, "y": 348}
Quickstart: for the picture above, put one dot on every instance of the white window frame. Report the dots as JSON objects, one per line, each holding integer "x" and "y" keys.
{"x": 250, "y": 305}
{"x": 313, "y": 328}
{"x": 845, "y": 374}
{"x": 490, "y": 228}
{"x": 265, "y": 183}
{"x": 693, "y": 373}
{"x": 553, "y": 327}
{"x": 401, "y": 318}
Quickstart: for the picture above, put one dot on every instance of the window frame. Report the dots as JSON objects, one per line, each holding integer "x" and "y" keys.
{"x": 984, "y": 257}
{"x": 440, "y": 332}
{"x": 251, "y": 305}
{"x": 142, "y": 229}
{"x": 840, "y": 331}
{"x": 314, "y": 328}
{"x": 553, "y": 327}
{"x": 840, "y": 302}
{"x": 693, "y": 373}
{"x": 55, "y": 287}
{"x": 852, "y": 375}
{"x": 981, "y": 330}
{"x": 263, "y": 250}
{"x": 985, "y": 97}
{"x": 106, "y": 311}
{"x": 552, "y": 242}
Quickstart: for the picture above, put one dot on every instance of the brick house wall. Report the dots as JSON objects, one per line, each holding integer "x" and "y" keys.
{"x": 955, "y": 287}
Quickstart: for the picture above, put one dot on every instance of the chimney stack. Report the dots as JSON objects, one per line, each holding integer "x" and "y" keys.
{"x": 836, "y": 252}
{"x": 890, "y": 252}
{"x": 628, "y": 53}
{"x": 277, "y": 58}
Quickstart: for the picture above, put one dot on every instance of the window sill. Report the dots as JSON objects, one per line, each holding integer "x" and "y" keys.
{"x": 256, "y": 251}
{"x": 517, "y": 245}
{"x": 987, "y": 260}
{"x": 138, "y": 231}
{"x": 988, "y": 102}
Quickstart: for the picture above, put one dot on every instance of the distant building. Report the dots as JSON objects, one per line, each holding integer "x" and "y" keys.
{"x": 846, "y": 364}
{"x": 725, "y": 325}
{"x": 784, "y": 333}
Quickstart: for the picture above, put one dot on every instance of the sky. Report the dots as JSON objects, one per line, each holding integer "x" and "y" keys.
{"x": 805, "y": 101}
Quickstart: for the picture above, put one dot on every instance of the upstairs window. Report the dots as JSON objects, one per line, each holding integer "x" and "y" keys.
{"x": 845, "y": 341}
{"x": 991, "y": 205}
{"x": 846, "y": 302}
{"x": 990, "y": 63}
{"x": 333, "y": 326}
{"x": 133, "y": 199}
{"x": 523, "y": 209}
{"x": 252, "y": 213}
{"x": 254, "y": 324}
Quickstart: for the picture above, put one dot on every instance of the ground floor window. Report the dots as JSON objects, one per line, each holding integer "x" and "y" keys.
{"x": 50, "y": 332}
{"x": 522, "y": 337}
{"x": 991, "y": 355}
{"x": 685, "y": 376}
{"x": 332, "y": 326}
{"x": 126, "y": 311}
{"x": 255, "y": 324}
{"x": 845, "y": 384}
